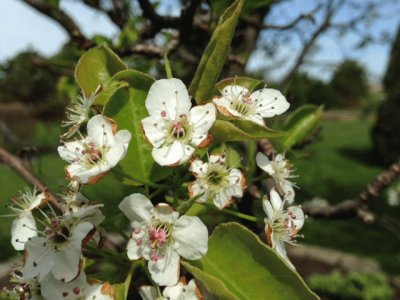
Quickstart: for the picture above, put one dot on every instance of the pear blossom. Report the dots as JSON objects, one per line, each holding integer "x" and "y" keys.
{"x": 280, "y": 170}
{"x": 173, "y": 129}
{"x": 51, "y": 288}
{"x": 281, "y": 225}
{"x": 78, "y": 112}
{"x": 59, "y": 249}
{"x": 24, "y": 225}
{"x": 23, "y": 288}
{"x": 91, "y": 157}
{"x": 216, "y": 181}
{"x": 97, "y": 290}
{"x": 238, "y": 101}
{"x": 180, "y": 291}
{"x": 162, "y": 237}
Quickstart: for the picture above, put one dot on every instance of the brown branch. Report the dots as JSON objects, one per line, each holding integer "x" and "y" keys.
{"x": 21, "y": 169}
{"x": 64, "y": 20}
{"x": 117, "y": 14}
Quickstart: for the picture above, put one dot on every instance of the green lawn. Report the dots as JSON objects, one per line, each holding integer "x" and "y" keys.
{"x": 337, "y": 166}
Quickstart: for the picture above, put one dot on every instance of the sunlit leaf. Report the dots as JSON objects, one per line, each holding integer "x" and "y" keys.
{"x": 213, "y": 59}
{"x": 248, "y": 270}
{"x": 219, "y": 6}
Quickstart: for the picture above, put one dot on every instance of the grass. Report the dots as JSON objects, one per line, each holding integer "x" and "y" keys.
{"x": 336, "y": 167}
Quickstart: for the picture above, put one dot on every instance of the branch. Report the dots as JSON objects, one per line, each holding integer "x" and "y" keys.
{"x": 64, "y": 20}
{"x": 157, "y": 22}
{"x": 21, "y": 169}
{"x": 116, "y": 14}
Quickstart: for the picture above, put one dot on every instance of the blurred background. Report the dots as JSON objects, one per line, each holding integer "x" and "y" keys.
{"x": 342, "y": 54}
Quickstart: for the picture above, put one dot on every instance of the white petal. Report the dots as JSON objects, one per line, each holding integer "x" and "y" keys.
{"x": 198, "y": 167}
{"x": 123, "y": 136}
{"x": 174, "y": 292}
{"x": 275, "y": 199}
{"x": 51, "y": 288}
{"x": 39, "y": 199}
{"x": 265, "y": 163}
{"x": 90, "y": 213}
{"x": 195, "y": 188}
{"x": 234, "y": 90}
{"x": 298, "y": 212}
{"x": 217, "y": 159}
{"x": 175, "y": 154}
{"x": 223, "y": 197}
{"x": 67, "y": 259}
{"x": 137, "y": 247}
{"x": 165, "y": 213}
{"x": 166, "y": 270}
{"x": 280, "y": 249}
{"x": 289, "y": 191}
{"x": 202, "y": 117}
{"x": 114, "y": 155}
{"x": 256, "y": 118}
{"x": 99, "y": 291}
{"x": 269, "y": 211}
{"x": 270, "y": 102}
{"x": 224, "y": 106}
{"x": 191, "y": 237}
{"x": 99, "y": 128}
{"x": 39, "y": 259}
{"x": 77, "y": 172}
{"x": 137, "y": 208}
{"x": 70, "y": 150}
{"x": 23, "y": 228}
{"x": 169, "y": 95}
{"x": 154, "y": 130}
{"x": 148, "y": 292}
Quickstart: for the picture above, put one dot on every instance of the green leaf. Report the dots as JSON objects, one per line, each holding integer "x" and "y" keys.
{"x": 249, "y": 5}
{"x": 300, "y": 124}
{"x": 122, "y": 289}
{"x": 250, "y": 83}
{"x": 213, "y": 59}
{"x": 96, "y": 67}
{"x": 127, "y": 107}
{"x": 168, "y": 70}
{"x": 249, "y": 270}
{"x": 241, "y": 130}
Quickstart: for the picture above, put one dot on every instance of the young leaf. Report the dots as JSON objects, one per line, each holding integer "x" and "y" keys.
{"x": 213, "y": 59}
{"x": 127, "y": 107}
{"x": 168, "y": 70}
{"x": 300, "y": 124}
{"x": 249, "y": 5}
{"x": 96, "y": 67}
{"x": 241, "y": 130}
{"x": 259, "y": 274}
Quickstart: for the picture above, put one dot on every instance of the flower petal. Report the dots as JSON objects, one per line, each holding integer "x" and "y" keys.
{"x": 51, "y": 288}
{"x": 264, "y": 163}
{"x": 270, "y": 102}
{"x": 137, "y": 208}
{"x": 39, "y": 259}
{"x": 100, "y": 129}
{"x": 138, "y": 247}
{"x": 269, "y": 211}
{"x": 154, "y": 130}
{"x": 70, "y": 151}
{"x": 169, "y": 96}
{"x": 99, "y": 291}
{"x": 280, "y": 249}
{"x": 299, "y": 219}
{"x": 77, "y": 172}
{"x": 166, "y": 270}
{"x": 202, "y": 117}
{"x": 191, "y": 237}
{"x": 234, "y": 90}
{"x": 196, "y": 188}
{"x": 68, "y": 259}
{"x": 223, "y": 197}
{"x": 289, "y": 191}
{"x": 198, "y": 167}
{"x": 175, "y": 154}
{"x": 275, "y": 199}
{"x": 165, "y": 213}
{"x": 23, "y": 228}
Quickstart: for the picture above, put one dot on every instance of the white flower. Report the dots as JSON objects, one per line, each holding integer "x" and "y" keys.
{"x": 23, "y": 288}
{"x": 216, "y": 181}
{"x": 59, "y": 250}
{"x": 24, "y": 225}
{"x": 93, "y": 156}
{"x": 78, "y": 112}
{"x": 179, "y": 291}
{"x": 97, "y": 290}
{"x": 173, "y": 129}
{"x": 282, "y": 225}
{"x": 51, "y": 288}
{"x": 161, "y": 237}
{"x": 280, "y": 170}
{"x": 238, "y": 102}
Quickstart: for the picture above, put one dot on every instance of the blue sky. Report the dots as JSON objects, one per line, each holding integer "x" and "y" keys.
{"x": 22, "y": 27}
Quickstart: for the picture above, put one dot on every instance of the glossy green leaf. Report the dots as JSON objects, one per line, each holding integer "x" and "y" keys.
{"x": 241, "y": 130}
{"x": 122, "y": 289}
{"x": 213, "y": 59}
{"x": 250, "y": 83}
{"x": 127, "y": 107}
{"x": 219, "y": 6}
{"x": 302, "y": 122}
{"x": 249, "y": 270}
{"x": 96, "y": 67}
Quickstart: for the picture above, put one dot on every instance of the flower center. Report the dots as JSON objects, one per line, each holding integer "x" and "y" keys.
{"x": 92, "y": 152}
{"x": 217, "y": 176}
{"x": 179, "y": 129}
{"x": 284, "y": 227}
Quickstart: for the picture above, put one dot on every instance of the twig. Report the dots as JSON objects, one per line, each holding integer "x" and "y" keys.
{"x": 20, "y": 168}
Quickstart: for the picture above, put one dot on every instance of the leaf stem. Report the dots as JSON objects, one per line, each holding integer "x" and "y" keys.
{"x": 233, "y": 213}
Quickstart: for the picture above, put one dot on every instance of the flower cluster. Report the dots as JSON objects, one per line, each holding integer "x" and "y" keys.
{"x": 282, "y": 224}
